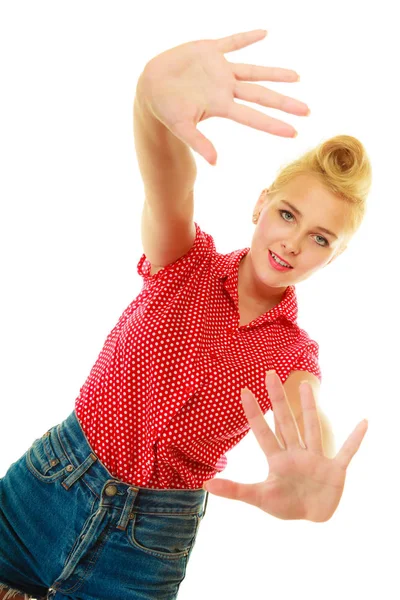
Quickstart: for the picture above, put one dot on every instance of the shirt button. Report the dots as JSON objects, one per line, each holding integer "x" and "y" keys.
{"x": 111, "y": 490}
{"x": 189, "y": 389}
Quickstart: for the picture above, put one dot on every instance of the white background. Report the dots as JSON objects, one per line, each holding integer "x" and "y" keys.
{"x": 71, "y": 197}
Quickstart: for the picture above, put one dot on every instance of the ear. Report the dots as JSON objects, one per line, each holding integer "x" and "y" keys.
{"x": 263, "y": 198}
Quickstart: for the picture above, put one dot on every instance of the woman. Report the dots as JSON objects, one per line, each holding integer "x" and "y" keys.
{"x": 107, "y": 504}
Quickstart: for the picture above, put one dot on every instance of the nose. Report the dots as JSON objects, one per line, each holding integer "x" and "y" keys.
{"x": 292, "y": 246}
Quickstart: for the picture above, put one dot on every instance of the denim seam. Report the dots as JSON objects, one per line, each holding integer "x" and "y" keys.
{"x": 49, "y": 479}
{"x": 75, "y": 544}
{"x": 75, "y": 461}
{"x": 164, "y": 512}
{"x": 104, "y": 537}
{"x": 167, "y": 555}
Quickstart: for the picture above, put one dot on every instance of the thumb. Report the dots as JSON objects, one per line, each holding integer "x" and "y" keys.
{"x": 246, "y": 492}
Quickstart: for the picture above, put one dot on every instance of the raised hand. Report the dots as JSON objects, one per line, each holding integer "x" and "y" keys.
{"x": 302, "y": 483}
{"x": 194, "y": 81}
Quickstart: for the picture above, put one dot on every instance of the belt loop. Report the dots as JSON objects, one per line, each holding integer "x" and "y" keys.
{"x": 126, "y": 511}
{"x": 77, "y": 472}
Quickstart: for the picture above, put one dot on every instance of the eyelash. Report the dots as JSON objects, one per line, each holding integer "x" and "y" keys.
{"x": 320, "y": 236}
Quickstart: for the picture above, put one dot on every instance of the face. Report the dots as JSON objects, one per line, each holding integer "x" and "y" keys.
{"x": 298, "y": 239}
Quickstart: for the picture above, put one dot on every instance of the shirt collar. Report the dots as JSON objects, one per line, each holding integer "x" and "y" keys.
{"x": 226, "y": 267}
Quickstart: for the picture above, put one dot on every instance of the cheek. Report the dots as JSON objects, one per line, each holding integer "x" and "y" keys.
{"x": 271, "y": 228}
{"x": 315, "y": 261}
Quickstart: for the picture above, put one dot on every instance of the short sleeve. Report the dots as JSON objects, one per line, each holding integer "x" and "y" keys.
{"x": 202, "y": 247}
{"x": 307, "y": 360}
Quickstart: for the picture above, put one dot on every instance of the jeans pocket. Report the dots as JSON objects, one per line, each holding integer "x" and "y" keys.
{"x": 43, "y": 461}
{"x": 164, "y": 535}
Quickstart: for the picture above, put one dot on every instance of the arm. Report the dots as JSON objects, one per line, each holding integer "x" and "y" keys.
{"x": 168, "y": 171}
{"x": 291, "y": 387}
{"x": 177, "y": 90}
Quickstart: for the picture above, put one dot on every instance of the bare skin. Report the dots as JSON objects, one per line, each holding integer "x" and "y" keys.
{"x": 5, "y": 593}
{"x": 194, "y": 82}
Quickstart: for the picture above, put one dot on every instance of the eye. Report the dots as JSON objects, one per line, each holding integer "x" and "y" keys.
{"x": 322, "y": 238}
{"x": 325, "y": 241}
{"x": 287, "y": 212}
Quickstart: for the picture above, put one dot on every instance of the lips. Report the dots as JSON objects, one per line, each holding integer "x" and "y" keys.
{"x": 280, "y": 258}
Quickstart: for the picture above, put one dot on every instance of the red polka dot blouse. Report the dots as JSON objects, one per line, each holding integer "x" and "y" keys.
{"x": 161, "y": 406}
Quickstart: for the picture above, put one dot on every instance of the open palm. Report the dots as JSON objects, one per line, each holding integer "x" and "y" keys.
{"x": 302, "y": 483}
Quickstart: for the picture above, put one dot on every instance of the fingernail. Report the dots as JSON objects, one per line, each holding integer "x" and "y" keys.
{"x": 298, "y": 77}
{"x": 295, "y": 134}
{"x": 270, "y": 371}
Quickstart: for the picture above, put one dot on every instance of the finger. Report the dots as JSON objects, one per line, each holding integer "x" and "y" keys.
{"x": 239, "y": 40}
{"x": 256, "y": 119}
{"x": 246, "y": 72}
{"x": 191, "y": 136}
{"x": 312, "y": 424}
{"x": 246, "y": 492}
{"x": 278, "y": 433}
{"x": 282, "y": 411}
{"x": 258, "y": 94}
{"x": 264, "y": 436}
{"x": 351, "y": 445}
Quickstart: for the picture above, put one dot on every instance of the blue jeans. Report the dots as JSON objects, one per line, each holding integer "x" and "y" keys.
{"x": 69, "y": 529}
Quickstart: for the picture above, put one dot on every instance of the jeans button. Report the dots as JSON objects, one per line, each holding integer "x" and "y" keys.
{"x": 111, "y": 490}
{"x": 70, "y": 468}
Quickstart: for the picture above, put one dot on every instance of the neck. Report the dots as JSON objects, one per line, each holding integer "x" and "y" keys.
{"x": 252, "y": 293}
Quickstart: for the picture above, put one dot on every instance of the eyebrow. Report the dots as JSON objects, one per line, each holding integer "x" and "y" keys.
{"x": 296, "y": 210}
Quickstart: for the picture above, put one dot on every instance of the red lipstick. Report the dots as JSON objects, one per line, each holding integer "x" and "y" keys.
{"x": 276, "y": 265}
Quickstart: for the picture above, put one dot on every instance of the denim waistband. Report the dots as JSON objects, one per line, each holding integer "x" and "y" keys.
{"x": 84, "y": 464}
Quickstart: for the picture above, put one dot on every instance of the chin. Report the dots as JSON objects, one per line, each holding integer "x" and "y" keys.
{"x": 276, "y": 282}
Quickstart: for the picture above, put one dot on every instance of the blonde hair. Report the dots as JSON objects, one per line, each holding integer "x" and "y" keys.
{"x": 342, "y": 165}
